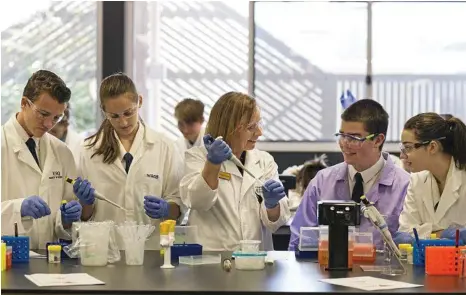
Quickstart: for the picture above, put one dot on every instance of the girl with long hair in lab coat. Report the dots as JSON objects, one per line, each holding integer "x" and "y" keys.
{"x": 129, "y": 163}
{"x": 226, "y": 203}
{"x": 434, "y": 149}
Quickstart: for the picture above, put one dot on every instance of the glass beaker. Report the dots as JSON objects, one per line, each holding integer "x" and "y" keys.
{"x": 392, "y": 265}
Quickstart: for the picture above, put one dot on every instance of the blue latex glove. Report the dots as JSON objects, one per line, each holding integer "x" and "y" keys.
{"x": 347, "y": 100}
{"x": 450, "y": 233}
{"x": 403, "y": 238}
{"x": 35, "y": 207}
{"x": 155, "y": 207}
{"x": 71, "y": 212}
{"x": 84, "y": 191}
{"x": 273, "y": 191}
{"x": 218, "y": 151}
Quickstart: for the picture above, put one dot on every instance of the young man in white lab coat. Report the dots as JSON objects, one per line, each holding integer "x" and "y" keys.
{"x": 190, "y": 116}
{"x": 73, "y": 140}
{"x": 223, "y": 198}
{"x": 35, "y": 164}
{"x": 129, "y": 163}
{"x": 433, "y": 149}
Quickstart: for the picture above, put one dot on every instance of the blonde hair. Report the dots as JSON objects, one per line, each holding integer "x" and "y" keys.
{"x": 232, "y": 110}
{"x": 111, "y": 87}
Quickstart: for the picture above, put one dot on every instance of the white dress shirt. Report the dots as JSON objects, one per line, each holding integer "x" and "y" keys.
{"x": 369, "y": 176}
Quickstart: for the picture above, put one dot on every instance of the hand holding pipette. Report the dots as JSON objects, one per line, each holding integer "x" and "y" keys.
{"x": 95, "y": 194}
{"x": 374, "y": 216}
{"x": 220, "y": 152}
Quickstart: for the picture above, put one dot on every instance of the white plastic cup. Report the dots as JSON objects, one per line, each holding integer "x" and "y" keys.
{"x": 134, "y": 252}
{"x": 250, "y": 246}
{"x": 93, "y": 246}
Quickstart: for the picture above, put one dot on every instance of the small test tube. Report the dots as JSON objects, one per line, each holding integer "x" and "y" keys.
{"x": 462, "y": 263}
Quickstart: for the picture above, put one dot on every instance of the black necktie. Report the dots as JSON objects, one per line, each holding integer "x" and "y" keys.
{"x": 358, "y": 190}
{"x": 32, "y": 148}
{"x": 128, "y": 159}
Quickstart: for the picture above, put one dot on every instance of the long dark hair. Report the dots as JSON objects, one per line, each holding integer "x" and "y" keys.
{"x": 111, "y": 87}
{"x": 450, "y": 133}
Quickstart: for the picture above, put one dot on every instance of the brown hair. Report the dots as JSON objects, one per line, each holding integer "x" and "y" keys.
{"x": 229, "y": 112}
{"x": 308, "y": 172}
{"x": 189, "y": 111}
{"x": 371, "y": 114}
{"x": 49, "y": 82}
{"x": 451, "y": 134}
{"x": 111, "y": 87}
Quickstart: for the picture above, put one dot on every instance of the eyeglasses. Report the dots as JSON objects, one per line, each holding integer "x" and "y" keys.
{"x": 253, "y": 127}
{"x": 129, "y": 113}
{"x": 42, "y": 114}
{"x": 352, "y": 141}
{"x": 406, "y": 149}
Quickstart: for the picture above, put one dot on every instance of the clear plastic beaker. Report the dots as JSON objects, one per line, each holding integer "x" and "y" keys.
{"x": 94, "y": 239}
{"x": 250, "y": 246}
{"x": 134, "y": 252}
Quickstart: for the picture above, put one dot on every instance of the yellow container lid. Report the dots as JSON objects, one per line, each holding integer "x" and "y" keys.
{"x": 404, "y": 246}
{"x": 433, "y": 236}
{"x": 54, "y": 248}
{"x": 409, "y": 249}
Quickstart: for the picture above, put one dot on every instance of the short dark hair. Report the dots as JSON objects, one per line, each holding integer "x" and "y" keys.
{"x": 370, "y": 113}
{"x": 190, "y": 110}
{"x": 49, "y": 82}
{"x": 450, "y": 133}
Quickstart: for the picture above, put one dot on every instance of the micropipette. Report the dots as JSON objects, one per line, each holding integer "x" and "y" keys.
{"x": 238, "y": 163}
{"x": 98, "y": 195}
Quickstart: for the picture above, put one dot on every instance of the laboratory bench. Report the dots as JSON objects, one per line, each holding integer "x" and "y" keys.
{"x": 286, "y": 275}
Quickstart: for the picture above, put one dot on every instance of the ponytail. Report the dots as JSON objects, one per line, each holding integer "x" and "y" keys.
{"x": 109, "y": 146}
{"x": 457, "y": 131}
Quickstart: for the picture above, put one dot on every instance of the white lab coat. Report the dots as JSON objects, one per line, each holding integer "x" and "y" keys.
{"x": 231, "y": 212}
{"x": 155, "y": 170}
{"x": 22, "y": 178}
{"x": 183, "y": 144}
{"x": 74, "y": 141}
{"x": 418, "y": 210}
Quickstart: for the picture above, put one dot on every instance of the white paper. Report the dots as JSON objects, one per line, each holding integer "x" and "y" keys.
{"x": 369, "y": 283}
{"x": 72, "y": 279}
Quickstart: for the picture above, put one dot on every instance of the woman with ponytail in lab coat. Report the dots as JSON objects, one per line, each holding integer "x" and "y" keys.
{"x": 129, "y": 163}
{"x": 434, "y": 150}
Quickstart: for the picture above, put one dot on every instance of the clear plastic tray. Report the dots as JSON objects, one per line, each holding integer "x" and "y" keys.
{"x": 201, "y": 259}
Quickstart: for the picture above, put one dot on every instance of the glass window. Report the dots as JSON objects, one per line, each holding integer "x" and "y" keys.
{"x": 188, "y": 49}
{"x": 419, "y": 60}
{"x": 57, "y": 36}
{"x": 306, "y": 54}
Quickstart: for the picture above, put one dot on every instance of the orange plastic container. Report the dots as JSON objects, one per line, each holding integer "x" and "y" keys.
{"x": 364, "y": 253}
{"x": 322, "y": 255}
{"x": 442, "y": 260}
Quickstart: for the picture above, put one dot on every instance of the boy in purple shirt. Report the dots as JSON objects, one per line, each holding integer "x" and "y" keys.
{"x": 366, "y": 170}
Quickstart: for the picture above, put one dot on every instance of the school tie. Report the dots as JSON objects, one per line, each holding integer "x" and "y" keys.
{"x": 128, "y": 159}
{"x": 358, "y": 189}
{"x": 32, "y": 148}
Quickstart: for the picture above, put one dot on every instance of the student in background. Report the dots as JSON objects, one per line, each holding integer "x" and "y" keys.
{"x": 435, "y": 152}
{"x": 190, "y": 116}
{"x": 366, "y": 170}
{"x": 35, "y": 163}
{"x": 66, "y": 134}
{"x": 129, "y": 163}
{"x": 304, "y": 174}
{"x": 222, "y": 197}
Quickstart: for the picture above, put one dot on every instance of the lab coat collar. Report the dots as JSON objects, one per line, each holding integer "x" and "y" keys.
{"x": 450, "y": 193}
{"x": 18, "y": 137}
{"x": 252, "y": 164}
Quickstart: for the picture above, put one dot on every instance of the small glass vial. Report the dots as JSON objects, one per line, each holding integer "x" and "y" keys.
{"x": 462, "y": 263}
{"x": 54, "y": 253}
{"x": 409, "y": 252}
{"x": 404, "y": 253}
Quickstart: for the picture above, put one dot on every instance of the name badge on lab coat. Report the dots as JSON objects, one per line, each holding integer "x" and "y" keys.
{"x": 224, "y": 175}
